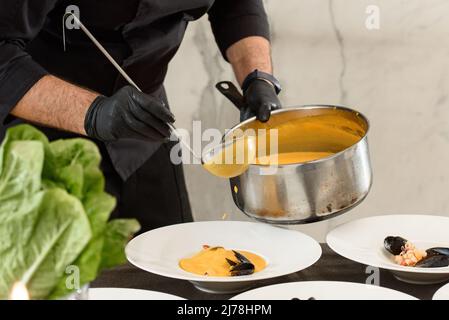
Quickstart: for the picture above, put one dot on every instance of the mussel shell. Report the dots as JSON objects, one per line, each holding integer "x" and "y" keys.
{"x": 241, "y": 257}
{"x": 243, "y": 266}
{"x": 242, "y": 269}
{"x": 436, "y": 261}
{"x": 394, "y": 245}
{"x": 437, "y": 251}
{"x": 239, "y": 273}
{"x": 230, "y": 262}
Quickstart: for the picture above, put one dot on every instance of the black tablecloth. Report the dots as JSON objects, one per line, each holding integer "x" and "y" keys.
{"x": 331, "y": 267}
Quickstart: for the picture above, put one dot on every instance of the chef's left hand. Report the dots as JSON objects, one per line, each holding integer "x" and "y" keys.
{"x": 261, "y": 99}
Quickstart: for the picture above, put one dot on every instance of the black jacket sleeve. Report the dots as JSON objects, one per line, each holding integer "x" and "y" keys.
{"x": 20, "y": 22}
{"x": 233, "y": 20}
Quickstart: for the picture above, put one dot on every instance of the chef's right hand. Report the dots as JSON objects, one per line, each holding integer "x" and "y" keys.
{"x": 128, "y": 114}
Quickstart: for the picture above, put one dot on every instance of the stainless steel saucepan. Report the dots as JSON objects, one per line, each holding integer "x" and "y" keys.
{"x": 301, "y": 193}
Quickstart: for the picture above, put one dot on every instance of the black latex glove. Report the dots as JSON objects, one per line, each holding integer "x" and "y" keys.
{"x": 260, "y": 98}
{"x": 128, "y": 114}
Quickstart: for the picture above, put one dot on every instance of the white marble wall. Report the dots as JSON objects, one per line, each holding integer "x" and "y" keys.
{"x": 323, "y": 53}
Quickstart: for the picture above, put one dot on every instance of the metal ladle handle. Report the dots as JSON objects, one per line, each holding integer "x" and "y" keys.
{"x": 120, "y": 70}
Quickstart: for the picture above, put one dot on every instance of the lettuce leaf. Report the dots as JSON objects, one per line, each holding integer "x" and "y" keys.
{"x": 78, "y": 161}
{"x": 54, "y": 213}
{"x": 41, "y": 231}
{"x": 118, "y": 233}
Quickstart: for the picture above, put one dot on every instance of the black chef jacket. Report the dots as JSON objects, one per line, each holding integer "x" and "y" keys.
{"x": 142, "y": 35}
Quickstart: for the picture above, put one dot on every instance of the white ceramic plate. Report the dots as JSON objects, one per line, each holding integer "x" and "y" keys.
{"x": 323, "y": 290}
{"x": 286, "y": 251}
{"x": 362, "y": 241}
{"x": 442, "y": 293}
{"x": 128, "y": 294}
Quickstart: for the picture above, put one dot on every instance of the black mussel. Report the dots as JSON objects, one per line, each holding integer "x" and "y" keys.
{"x": 241, "y": 257}
{"x": 231, "y": 263}
{"x": 435, "y": 261}
{"x": 243, "y": 267}
{"x": 395, "y": 245}
{"x": 440, "y": 251}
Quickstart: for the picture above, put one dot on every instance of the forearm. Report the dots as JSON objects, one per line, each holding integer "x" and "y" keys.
{"x": 55, "y": 103}
{"x": 249, "y": 54}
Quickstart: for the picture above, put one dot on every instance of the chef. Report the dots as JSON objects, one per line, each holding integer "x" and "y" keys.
{"x": 79, "y": 93}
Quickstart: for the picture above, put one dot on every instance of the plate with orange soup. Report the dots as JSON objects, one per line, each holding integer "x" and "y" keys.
{"x": 223, "y": 256}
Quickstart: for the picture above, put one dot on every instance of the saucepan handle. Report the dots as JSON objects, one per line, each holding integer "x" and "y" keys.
{"x": 230, "y": 91}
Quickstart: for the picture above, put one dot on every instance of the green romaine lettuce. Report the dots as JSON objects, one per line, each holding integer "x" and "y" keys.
{"x": 54, "y": 213}
{"x": 117, "y": 234}
{"x": 41, "y": 231}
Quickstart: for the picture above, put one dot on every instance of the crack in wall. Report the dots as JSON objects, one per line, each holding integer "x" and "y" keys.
{"x": 341, "y": 45}
{"x": 331, "y": 224}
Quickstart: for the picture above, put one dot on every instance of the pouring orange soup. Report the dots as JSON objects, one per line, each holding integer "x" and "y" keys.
{"x": 299, "y": 140}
